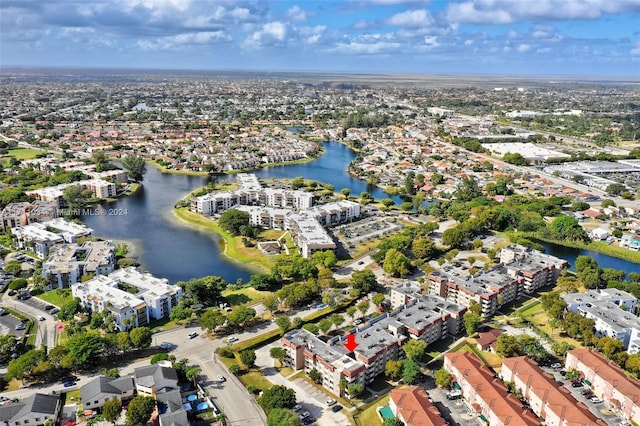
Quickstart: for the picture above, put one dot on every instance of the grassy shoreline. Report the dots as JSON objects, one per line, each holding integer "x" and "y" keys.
{"x": 597, "y": 246}
{"x": 232, "y": 249}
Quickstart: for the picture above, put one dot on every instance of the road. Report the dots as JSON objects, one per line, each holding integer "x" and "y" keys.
{"x": 46, "y": 330}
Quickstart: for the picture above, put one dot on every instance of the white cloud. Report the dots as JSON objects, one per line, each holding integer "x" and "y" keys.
{"x": 275, "y": 29}
{"x": 271, "y": 33}
{"x": 510, "y": 11}
{"x": 359, "y": 48}
{"x": 524, "y": 48}
{"x": 431, "y": 42}
{"x": 468, "y": 42}
{"x": 411, "y": 18}
{"x": 296, "y": 14}
{"x": 203, "y": 37}
{"x": 635, "y": 51}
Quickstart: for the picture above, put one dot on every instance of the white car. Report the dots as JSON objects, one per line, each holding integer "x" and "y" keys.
{"x": 221, "y": 378}
{"x": 232, "y": 339}
{"x": 330, "y": 402}
{"x": 595, "y": 400}
{"x": 40, "y": 318}
{"x": 193, "y": 335}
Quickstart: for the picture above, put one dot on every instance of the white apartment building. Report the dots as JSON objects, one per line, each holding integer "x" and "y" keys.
{"x": 153, "y": 299}
{"x": 605, "y": 307}
{"x": 67, "y": 263}
{"x": 100, "y": 189}
{"x": 309, "y": 235}
{"x": 40, "y": 237}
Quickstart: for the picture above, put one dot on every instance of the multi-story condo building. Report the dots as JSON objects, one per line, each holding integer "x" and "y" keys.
{"x": 309, "y": 235}
{"x": 608, "y": 382}
{"x": 546, "y": 397}
{"x": 522, "y": 272}
{"x": 157, "y": 293}
{"x": 485, "y": 394}
{"x": 133, "y": 297}
{"x": 102, "y": 293}
{"x": 67, "y": 263}
{"x": 14, "y": 214}
{"x": 40, "y": 237}
{"x": 537, "y": 269}
{"x": 610, "y": 319}
{"x": 100, "y": 189}
{"x": 451, "y": 313}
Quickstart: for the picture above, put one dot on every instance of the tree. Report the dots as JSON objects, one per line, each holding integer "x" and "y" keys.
{"x": 111, "y": 410}
{"x": 159, "y": 357}
{"x": 278, "y": 353}
{"x": 325, "y": 258}
{"x": 140, "y": 409}
{"x": 192, "y": 374}
{"x": 443, "y": 378}
{"x": 69, "y": 309}
{"x": 471, "y": 322}
{"x": 415, "y": 349}
{"x": 572, "y": 374}
{"x": 354, "y": 390}
{"x": 567, "y": 228}
{"x": 377, "y": 299}
{"x": 76, "y": 197}
{"x": 284, "y": 323}
{"x": 113, "y": 373}
{"x": 363, "y": 281}
{"x": 283, "y": 416}
{"x": 18, "y": 284}
{"x": 248, "y": 357}
{"x": 212, "y": 319}
{"x": 363, "y": 307}
{"x": 410, "y": 371}
{"x": 351, "y": 312}
{"x": 141, "y": 337}
{"x": 315, "y": 376}
{"x": 278, "y": 396}
{"x": 84, "y": 348}
{"x": 23, "y": 366}
{"x": 205, "y": 290}
{"x": 135, "y": 167}
{"x": 325, "y": 325}
{"x": 13, "y": 267}
{"x": 240, "y": 315}
{"x": 312, "y": 328}
{"x": 337, "y": 320}
{"x": 424, "y": 248}
{"x": 393, "y": 369}
{"x": 346, "y": 192}
{"x": 232, "y": 220}
{"x": 467, "y": 189}
{"x": 396, "y": 263}
{"x": 392, "y": 421}
{"x": 123, "y": 342}
{"x": 234, "y": 369}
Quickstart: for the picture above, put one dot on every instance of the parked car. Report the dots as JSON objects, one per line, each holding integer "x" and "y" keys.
{"x": 357, "y": 322}
{"x": 321, "y": 306}
{"x": 69, "y": 383}
{"x": 330, "y": 402}
{"x": 193, "y": 335}
{"x": 40, "y": 318}
{"x": 12, "y": 293}
{"x": 21, "y": 326}
{"x": 576, "y": 384}
{"x": 49, "y": 307}
{"x": 166, "y": 345}
{"x": 589, "y": 395}
{"x": 2, "y": 312}
{"x": 556, "y": 365}
{"x": 304, "y": 415}
{"x": 336, "y": 408}
{"x": 585, "y": 391}
{"x": 232, "y": 339}
{"x": 221, "y": 378}
{"x": 595, "y": 400}
{"x": 624, "y": 423}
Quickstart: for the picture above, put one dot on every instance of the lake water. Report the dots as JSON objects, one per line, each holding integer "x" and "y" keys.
{"x": 603, "y": 260}
{"x": 168, "y": 248}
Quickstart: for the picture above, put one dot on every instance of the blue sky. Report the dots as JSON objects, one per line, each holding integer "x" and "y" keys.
{"x": 515, "y": 37}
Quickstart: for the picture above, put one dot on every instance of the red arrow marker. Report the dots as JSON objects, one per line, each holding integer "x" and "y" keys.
{"x": 351, "y": 344}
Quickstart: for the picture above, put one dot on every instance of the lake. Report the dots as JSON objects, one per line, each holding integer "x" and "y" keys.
{"x": 168, "y": 248}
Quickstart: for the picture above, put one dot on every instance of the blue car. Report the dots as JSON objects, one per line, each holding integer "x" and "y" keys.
{"x": 69, "y": 383}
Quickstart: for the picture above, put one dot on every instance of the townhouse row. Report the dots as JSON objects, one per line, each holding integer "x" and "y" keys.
{"x": 607, "y": 381}
{"x": 521, "y": 271}
{"x": 429, "y": 318}
{"x": 495, "y": 404}
{"x": 613, "y": 312}
{"x": 134, "y": 298}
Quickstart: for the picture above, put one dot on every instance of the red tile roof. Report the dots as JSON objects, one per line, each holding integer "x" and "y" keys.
{"x": 558, "y": 399}
{"x": 413, "y": 404}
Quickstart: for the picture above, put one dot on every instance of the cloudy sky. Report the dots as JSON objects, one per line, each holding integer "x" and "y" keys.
{"x": 521, "y": 37}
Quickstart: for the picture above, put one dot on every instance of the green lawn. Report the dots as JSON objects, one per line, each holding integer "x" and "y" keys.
{"x": 256, "y": 379}
{"x": 370, "y": 417}
{"x": 21, "y": 154}
{"x": 57, "y": 297}
{"x": 244, "y": 295}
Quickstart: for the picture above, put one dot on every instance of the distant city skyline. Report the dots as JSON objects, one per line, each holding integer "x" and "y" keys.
{"x": 510, "y": 37}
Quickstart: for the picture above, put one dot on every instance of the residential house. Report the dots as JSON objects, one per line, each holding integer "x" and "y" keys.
{"x": 154, "y": 379}
{"x": 33, "y": 410}
{"x": 102, "y": 389}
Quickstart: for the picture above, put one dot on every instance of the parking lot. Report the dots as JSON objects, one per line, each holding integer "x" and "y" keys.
{"x": 453, "y": 411}
{"x": 355, "y": 233}
{"x": 8, "y": 325}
